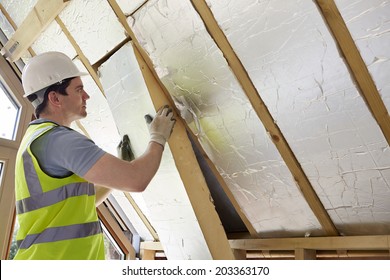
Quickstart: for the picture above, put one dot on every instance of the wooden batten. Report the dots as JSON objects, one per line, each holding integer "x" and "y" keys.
{"x": 43, "y": 13}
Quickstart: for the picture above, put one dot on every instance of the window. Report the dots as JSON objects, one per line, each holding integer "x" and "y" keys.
{"x": 14, "y": 246}
{"x": 9, "y": 114}
{"x": 111, "y": 247}
{"x": 1, "y": 173}
{"x": 1, "y": 170}
{"x": 15, "y": 114}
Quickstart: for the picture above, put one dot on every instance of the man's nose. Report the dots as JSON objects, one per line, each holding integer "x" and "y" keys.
{"x": 86, "y": 95}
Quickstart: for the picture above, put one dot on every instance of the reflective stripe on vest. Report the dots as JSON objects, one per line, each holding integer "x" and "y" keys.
{"x": 60, "y": 233}
{"x": 54, "y": 196}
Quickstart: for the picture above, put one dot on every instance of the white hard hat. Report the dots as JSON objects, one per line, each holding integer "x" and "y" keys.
{"x": 47, "y": 69}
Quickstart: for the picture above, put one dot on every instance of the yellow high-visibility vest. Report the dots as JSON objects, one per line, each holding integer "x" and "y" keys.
{"x": 57, "y": 216}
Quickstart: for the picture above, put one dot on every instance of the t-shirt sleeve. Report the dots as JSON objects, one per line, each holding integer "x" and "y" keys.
{"x": 68, "y": 150}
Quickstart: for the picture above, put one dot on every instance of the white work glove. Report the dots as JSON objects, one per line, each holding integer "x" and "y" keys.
{"x": 161, "y": 126}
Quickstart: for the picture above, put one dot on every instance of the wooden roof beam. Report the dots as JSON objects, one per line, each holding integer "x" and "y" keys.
{"x": 357, "y": 66}
{"x": 373, "y": 242}
{"x": 321, "y": 254}
{"x": 265, "y": 116}
{"x": 43, "y": 13}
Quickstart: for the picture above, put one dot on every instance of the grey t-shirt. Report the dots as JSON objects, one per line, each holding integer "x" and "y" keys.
{"x": 63, "y": 151}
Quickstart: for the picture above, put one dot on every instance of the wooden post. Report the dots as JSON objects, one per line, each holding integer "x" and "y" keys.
{"x": 148, "y": 254}
{"x": 239, "y": 254}
{"x": 305, "y": 254}
{"x": 149, "y": 249}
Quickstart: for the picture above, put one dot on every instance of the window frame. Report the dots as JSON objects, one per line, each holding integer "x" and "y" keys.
{"x": 116, "y": 232}
{"x": 8, "y": 151}
{"x": 13, "y": 84}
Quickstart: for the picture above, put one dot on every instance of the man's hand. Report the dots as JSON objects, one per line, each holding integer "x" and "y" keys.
{"x": 161, "y": 126}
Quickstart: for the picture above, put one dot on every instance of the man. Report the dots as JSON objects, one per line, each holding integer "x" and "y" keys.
{"x": 56, "y": 166}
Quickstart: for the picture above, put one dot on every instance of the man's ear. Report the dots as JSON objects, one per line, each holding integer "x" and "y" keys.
{"x": 53, "y": 98}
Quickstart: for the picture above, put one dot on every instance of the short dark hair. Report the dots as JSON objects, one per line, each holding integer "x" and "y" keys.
{"x": 59, "y": 87}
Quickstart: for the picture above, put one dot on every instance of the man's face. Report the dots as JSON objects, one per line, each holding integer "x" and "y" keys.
{"x": 75, "y": 103}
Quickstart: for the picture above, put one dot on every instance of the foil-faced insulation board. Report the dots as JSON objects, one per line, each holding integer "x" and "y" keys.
{"x": 294, "y": 63}
{"x": 164, "y": 202}
{"x": 18, "y": 10}
{"x": 369, "y": 24}
{"x": 5, "y": 26}
{"x": 53, "y": 39}
{"x": 99, "y": 122}
{"x": 94, "y": 26}
{"x": 213, "y": 104}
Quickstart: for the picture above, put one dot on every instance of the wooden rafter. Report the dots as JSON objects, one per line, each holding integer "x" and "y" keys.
{"x": 358, "y": 68}
{"x": 36, "y": 21}
{"x": 122, "y": 19}
{"x": 190, "y": 173}
{"x": 265, "y": 116}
